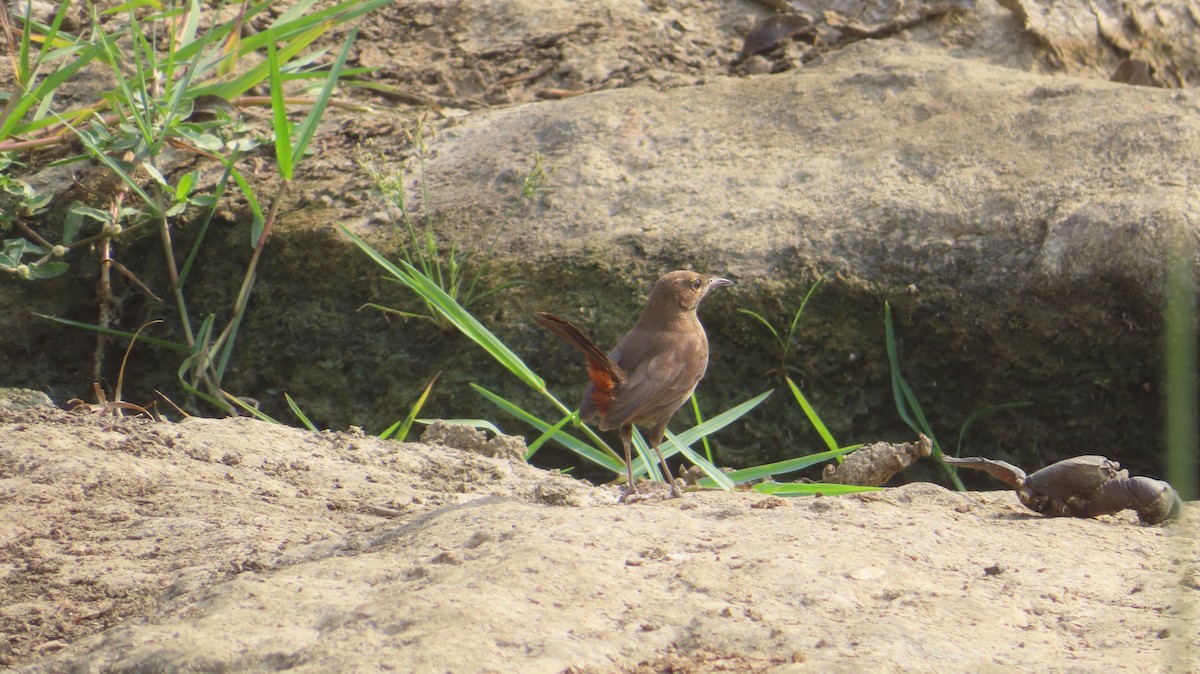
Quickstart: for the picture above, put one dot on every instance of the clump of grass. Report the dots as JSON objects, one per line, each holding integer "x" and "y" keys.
{"x": 398, "y": 431}
{"x": 909, "y": 408}
{"x": 168, "y": 75}
{"x": 784, "y": 343}
{"x": 455, "y": 270}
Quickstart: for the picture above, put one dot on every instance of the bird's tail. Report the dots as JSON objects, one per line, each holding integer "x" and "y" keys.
{"x": 606, "y": 375}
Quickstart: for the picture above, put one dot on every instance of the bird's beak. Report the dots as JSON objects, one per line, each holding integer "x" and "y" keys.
{"x": 718, "y": 281}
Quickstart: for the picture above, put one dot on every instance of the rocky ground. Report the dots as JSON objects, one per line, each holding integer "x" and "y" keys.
{"x": 238, "y": 546}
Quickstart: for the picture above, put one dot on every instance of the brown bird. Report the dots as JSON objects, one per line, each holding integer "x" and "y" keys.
{"x": 654, "y": 368}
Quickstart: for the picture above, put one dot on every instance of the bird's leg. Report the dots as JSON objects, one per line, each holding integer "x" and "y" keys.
{"x": 656, "y": 437}
{"x": 627, "y": 443}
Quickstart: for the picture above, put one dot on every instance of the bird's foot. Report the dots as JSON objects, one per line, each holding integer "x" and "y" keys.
{"x": 650, "y": 492}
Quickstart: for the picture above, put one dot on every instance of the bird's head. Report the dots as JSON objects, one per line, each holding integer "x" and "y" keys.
{"x": 684, "y": 289}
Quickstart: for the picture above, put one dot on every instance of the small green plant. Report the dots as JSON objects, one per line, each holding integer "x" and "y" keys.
{"x": 19, "y": 202}
{"x": 785, "y": 342}
{"x": 397, "y": 431}
{"x": 537, "y": 182}
{"x": 910, "y": 410}
{"x": 172, "y": 83}
{"x": 455, "y": 270}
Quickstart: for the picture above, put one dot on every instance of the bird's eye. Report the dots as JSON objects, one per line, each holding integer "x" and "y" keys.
{"x": 696, "y": 283}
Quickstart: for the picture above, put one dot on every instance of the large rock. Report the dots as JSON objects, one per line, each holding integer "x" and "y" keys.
{"x": 1016, "y": 222}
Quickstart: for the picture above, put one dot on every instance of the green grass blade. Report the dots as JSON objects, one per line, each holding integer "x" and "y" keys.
{"x": 979, "y": 414}
{"x": 218, "y": 192}
{"x": 411, "y": 277}
{"x": 25, "y": 72}
{"x": 1179, "y": 315}
{"x": 914, "y": 406}
{"x": 765, "y": 322}
{"x": 50, "y": 84}
{"x": 136, "y": 103}
{"x": 803, "y": 303}
{"x": 808, "y": 489}
{"x": 90, "y": 142}
{"x": 549, "y": 433}
{"x": 258, "y": 222}
{"x": 894, "y": 364}
{"x": 192, "y": 25}
{"x": 336, "y": 14}
{"x": 50, "y": 40}
{"x": 691, "y": 435}
{"x": 699, "y": 420}
{"x": 295, "y": 410}
{"x": 283, "y": 129}
{"x": 561, "y": 437}
{"x": 200, "y": 359}
{"x": 813, "y": 418}
{"x": 174, "y": 346}
{"x": 683, "y": 442}
{"x": 646, "y": 462}
{"x": 309, "y": 126}
{"x": 258, "y": 73}
{"x": 399, "y": 430}
{"x": 906, "y": 399}
{"x": 257, "y": 413}
{"x": 715, "y": 474}
{"x": 473, "y": 423}
{"x": 781, "y": 467}
{"x": 295, "y": 12}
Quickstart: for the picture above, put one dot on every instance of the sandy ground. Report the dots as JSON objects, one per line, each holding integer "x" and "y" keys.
{"x": 234, "y": 545}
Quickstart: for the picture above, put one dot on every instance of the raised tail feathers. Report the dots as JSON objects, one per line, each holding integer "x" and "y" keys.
{"x": 607, "y": 377}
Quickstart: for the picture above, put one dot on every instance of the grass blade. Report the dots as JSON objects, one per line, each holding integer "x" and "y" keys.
{"x": 534, "y": 446}
{"x": 259, "y": 414}
{"x": 715, "y": 474}
{"x": 691, "y": 435}
{"x": 47, "y": 86}
{"x": 644, "y": 464}
{"x": 90, "y": 142}
{"x": 812, "y": 415}
{"x": 279, "y": 119}
{"x": 980, "y": 413}
{"x": 295, "y": 410}
{"x": 1182, "y": 427}
{"x": 309, "y": 127}
{"x": 812, "y": 290}
{"x": 473, "y": 423}
{"x": 699, "y": 420}
{"x": 786, "y": 466}
{"x": 174, "y": 346}
{"x": 399, "y": 430}
{"x": 561, "y": 437}
{"x": 411, "y": 277}
{"x": 906, "y": 400}
{"x": 758, "y": 317}
{"x": 258, "y": 222}
{"x": 810, "y": 489}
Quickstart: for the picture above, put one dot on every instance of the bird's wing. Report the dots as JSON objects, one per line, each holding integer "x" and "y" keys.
{"x": 658, "y": 384}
